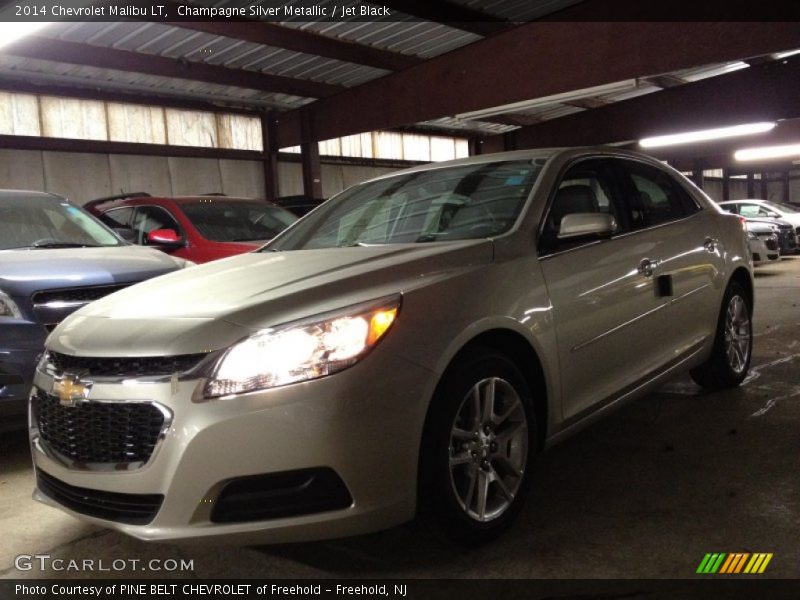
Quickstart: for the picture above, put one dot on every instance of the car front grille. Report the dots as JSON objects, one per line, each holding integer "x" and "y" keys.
{"x": 79, "y": 295}
{"x": 771, "y": 244}
{"x": 134, "y": 509}
{"x": 128, "y": 366}
{"x": 122, "y": 434}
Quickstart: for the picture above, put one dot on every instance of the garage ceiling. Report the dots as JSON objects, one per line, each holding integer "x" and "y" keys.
{"x": 315, "y": 72}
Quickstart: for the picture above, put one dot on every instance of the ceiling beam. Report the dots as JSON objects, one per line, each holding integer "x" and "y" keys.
{"x": 687, "y": 10}
{"x": 451, "y": 14}
{"x": 665, "y": 81}
{"x": 306, "y": 42}
{"x": 533, "y": 61}
{"x": 44, "y": 48}
{"x": 764, "y": 92}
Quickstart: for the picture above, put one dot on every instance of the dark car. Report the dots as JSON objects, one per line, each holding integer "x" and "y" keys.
{"x": 300, "y": 205}
{"x": 54, "y": 258}
{"x": 197, "y": 228}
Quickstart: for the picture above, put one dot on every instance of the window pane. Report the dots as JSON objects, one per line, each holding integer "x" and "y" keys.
{"x": 19, "y": 114}
{"x": 240, "y": 132}
{"x": 330, "y": 147}
{"x": 388, "y": 145}
{"x": 76, "y": 119}
{"x": 416, "y": 147}
{"x": 137, "y": 124}
{"x": 191, "y": 128}
{"x": 442, "y": 148}
{"x": 462, "y": 148}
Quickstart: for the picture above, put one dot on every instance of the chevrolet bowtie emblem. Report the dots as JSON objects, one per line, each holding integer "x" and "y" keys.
{"x": 70, "y": 389}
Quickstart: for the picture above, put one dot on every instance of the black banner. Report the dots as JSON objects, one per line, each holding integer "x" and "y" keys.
{"x": 359, "y": 10}
{"x": 734, "y": 588}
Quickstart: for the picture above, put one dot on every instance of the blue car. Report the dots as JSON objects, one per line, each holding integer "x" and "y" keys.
{"x": 54, "y": 258}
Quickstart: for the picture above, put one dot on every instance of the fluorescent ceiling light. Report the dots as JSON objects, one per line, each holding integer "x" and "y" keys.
{"x": 548, "y": 100}
{"x": 11, "y": 32}
{"x": 786, "y": 54}
{"x": 706, "y": 135}
{"x": 767, "y": 152}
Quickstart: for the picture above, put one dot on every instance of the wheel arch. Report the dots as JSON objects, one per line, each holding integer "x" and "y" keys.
{"x": 523, "y": 354}
{"x": 742, "y": 276}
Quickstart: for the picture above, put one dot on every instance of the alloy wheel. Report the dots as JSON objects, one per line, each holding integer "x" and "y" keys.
{"x": 737, "y": 334}
{"x": 488, "y": 449}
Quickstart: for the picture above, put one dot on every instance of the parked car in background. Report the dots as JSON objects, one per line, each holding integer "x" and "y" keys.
{"x": 197, "y": 228}
{"x": 763, "y": 239}
{"x": 299, "y": 205}
{"x": 414, "y": 342}
{"x": 54, "y": 259}
{"x": 786, "y": 216}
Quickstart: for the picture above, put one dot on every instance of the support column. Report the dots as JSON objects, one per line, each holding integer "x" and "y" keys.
{"x": 764, "y": 187}
{"x": 751, "y": 185}
{"x": 270, "y": 161}
{"x": 697, "y": 174}
{"x": 475, "y": 146}
{"x": 787, "y": 190}
{"x": 726, "y": 184}
{"x": 309, "y": 154}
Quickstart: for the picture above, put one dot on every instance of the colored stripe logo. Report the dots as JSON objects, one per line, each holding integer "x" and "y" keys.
{"x": 734, "y": 563}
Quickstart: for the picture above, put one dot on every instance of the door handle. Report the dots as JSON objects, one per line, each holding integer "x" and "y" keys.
{"x": 647, "y": 266}
{"x": 710, "y": 244}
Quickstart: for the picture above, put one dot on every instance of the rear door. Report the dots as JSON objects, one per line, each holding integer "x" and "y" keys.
{"x": 610, "y": 320}
{"x": 687, "y": 255}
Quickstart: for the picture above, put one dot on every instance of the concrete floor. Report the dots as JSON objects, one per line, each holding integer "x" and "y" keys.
{"x": 643, "y": 494}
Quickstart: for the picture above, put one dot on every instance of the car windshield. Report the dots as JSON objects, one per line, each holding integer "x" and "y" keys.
{"x": 438, "y": 205}
{"x": 30, "y": 221}
{"x": 781, "y": 207}
{"x": 237, "y": 221}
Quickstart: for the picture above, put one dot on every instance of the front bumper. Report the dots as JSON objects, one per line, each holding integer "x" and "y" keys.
{"x": 21, "y": 343}
{"x": 367, "y": 429}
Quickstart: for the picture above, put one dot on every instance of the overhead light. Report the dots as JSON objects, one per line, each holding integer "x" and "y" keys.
{"x": 786, "y": 54}
{"x": 12, "y": 31}
{"x": 767, "y": 152}
{"x": 547, "y": 100}
{"x": 706, "y": 135}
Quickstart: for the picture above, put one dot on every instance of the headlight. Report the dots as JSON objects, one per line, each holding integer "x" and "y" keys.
{"x": 302, "y": 350}
{"x": 8, "y": 308}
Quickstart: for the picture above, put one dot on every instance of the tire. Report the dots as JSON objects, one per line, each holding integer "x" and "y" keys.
{"x": 460, "y": 453}
{"x": 733, "y": 343}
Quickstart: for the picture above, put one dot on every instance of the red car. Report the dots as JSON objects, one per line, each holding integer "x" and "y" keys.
{"x": 197, "y": 228}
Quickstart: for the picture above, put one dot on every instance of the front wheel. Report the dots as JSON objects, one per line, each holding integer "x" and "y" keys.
{"x": 733, "y": 344}
{"x": 478, "y": 446}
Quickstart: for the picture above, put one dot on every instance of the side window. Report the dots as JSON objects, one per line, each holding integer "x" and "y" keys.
{"x": 118, "y": 218}
{"x": 587, "y": 187}
{"x": 731, "y": 208}
{"x": 150, "y": 218}
{"x": 751, "y": 210}
{"x": 660, "y": 198}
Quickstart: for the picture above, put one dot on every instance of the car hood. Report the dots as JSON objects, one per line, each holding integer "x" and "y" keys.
{"x": 26, "y": 271}
{"x": 213, "y": 305}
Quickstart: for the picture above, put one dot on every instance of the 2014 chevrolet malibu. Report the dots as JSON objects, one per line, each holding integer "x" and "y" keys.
{"x": 412, "y": 343}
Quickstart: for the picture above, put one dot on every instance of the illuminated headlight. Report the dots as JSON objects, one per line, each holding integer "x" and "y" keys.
{"x": 302, "y": 350}
{"x": 8, "y": 308}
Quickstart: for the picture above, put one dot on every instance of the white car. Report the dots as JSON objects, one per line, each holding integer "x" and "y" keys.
{"x": 412, "y": 343}
{"x": 766, "y": 209}
{"x": 763, "y": 239}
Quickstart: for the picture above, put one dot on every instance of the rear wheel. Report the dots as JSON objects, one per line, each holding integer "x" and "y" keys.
{"x": 730, "y": 359}
{"x": 479, "y": 442}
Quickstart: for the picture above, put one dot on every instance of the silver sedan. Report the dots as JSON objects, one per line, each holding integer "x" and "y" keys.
{"x": 407, "y": 347}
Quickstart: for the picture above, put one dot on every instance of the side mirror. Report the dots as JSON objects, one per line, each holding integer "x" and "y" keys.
{"x": 581, "y": 224}
{"x": 164, "y": 237}
{"x": 127, "y": 234}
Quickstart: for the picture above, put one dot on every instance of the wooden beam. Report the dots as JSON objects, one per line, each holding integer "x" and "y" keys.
{"x": 298, "y": 40}
{"x": 451, "y": 14}
{"x": 43, "y": 48}
{"x": 312, "y": 168}
{"x": 554, "y": 58}
{"x": 270, "y": 162}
